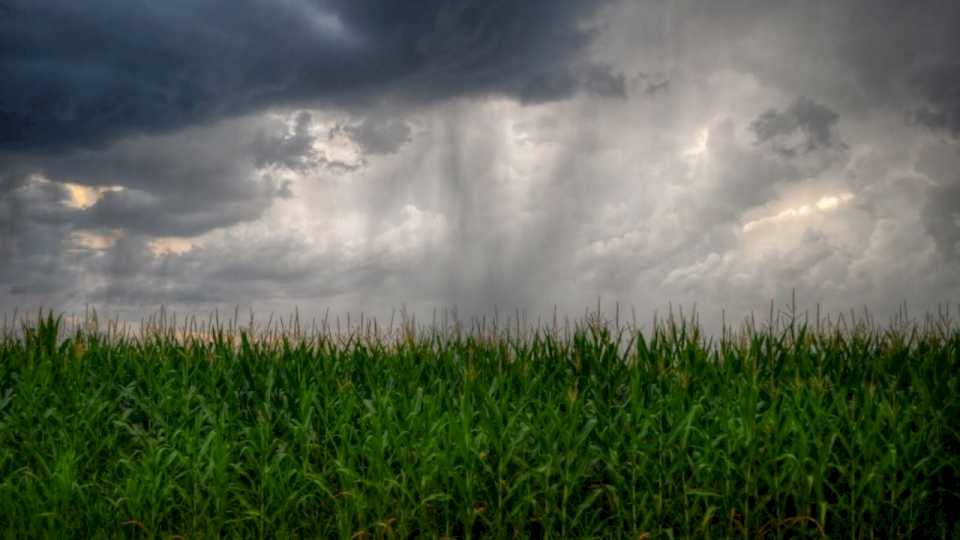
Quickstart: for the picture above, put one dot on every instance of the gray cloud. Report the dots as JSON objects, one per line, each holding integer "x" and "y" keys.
{"x": 34, "y": 230}
{"x": 941, "y": 210}
{"x": 378, "y": 135}
{"x": 72, "y": 79}
{"x": 290, "y": 150}
{"x": 803, "y": 127}
{"x": 942, "y": 219}
{"x": 858, "y": 55}
{"x": 656, "y": 88}
{"x": 370, "y": 160}
{"x": 550, "y": 85}
{"x": 296, "y": 150}
{"x": 940, "y": 85}
{"x": 176, "y": 215}
{"x": 183, "y": 184}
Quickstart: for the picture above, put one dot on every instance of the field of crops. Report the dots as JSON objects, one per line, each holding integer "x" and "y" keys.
{"x": 842, "y": 431}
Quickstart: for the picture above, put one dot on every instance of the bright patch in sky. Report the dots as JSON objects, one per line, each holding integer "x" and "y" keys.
{"x": 170, "y": 246}
{"x": 700, "y": 142}
{"x": 833, "y": 201}
{"x": 95, "y": 241}
{"x": 83, "y": 197}
{"x": 824, "y": 204}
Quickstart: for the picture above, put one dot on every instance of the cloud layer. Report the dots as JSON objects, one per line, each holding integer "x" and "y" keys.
{"x": 85, "y": 74}
{"x": 366, "y": 155}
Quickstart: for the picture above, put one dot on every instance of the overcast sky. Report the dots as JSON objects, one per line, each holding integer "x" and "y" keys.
{"x": 362, "y": 155}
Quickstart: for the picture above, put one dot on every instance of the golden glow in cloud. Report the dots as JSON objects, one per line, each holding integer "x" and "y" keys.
{"x": 82, "y": 197}
{"x": 95, "y": 241}
{"x": 170, "y": 246}
{"x": 824, "y": 204}
{"x": 700, "y": 142}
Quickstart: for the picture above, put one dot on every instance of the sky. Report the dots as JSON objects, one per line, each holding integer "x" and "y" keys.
{"x": 535, "y": 155}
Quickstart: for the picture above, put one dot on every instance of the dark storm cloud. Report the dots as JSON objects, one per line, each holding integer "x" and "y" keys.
{"x": 180, "y": 184}
{"x": 278, "y": 266}
{"x": 378, "y": 135}
{"x": 10, "y": 182}
{"x": 34, "y": 228}
{"x": 548, "y": 85}
{"x": 81, "y": 74}
{"x": 21, "y": 210}
{"x": 174, "y": 215}
{"x": 656, "y": 88}
{"x": 296, "y": 150}
{"x": 803, "y": 127}
{"x": 940, "y": 163}
{"x": 940, "y": 85}
{"x": 290, "y": 150}
{"x": 942, "y": 219}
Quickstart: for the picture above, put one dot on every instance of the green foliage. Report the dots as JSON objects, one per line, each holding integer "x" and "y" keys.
{"x": 598, "y": 432}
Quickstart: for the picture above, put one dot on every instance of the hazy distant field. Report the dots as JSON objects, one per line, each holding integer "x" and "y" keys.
{"x": 842, "y": 432}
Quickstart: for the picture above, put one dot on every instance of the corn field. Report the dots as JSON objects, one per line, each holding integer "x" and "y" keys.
{"x": 846, "y": 429}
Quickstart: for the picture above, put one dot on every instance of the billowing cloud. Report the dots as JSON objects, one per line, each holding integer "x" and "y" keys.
{"x": 368, "y": 155}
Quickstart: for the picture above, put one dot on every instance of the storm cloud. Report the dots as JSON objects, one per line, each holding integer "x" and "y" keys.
{"x": 369, "y": 155}
{"x": 85, "y": 74}
{"x": 809, "y": 125}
